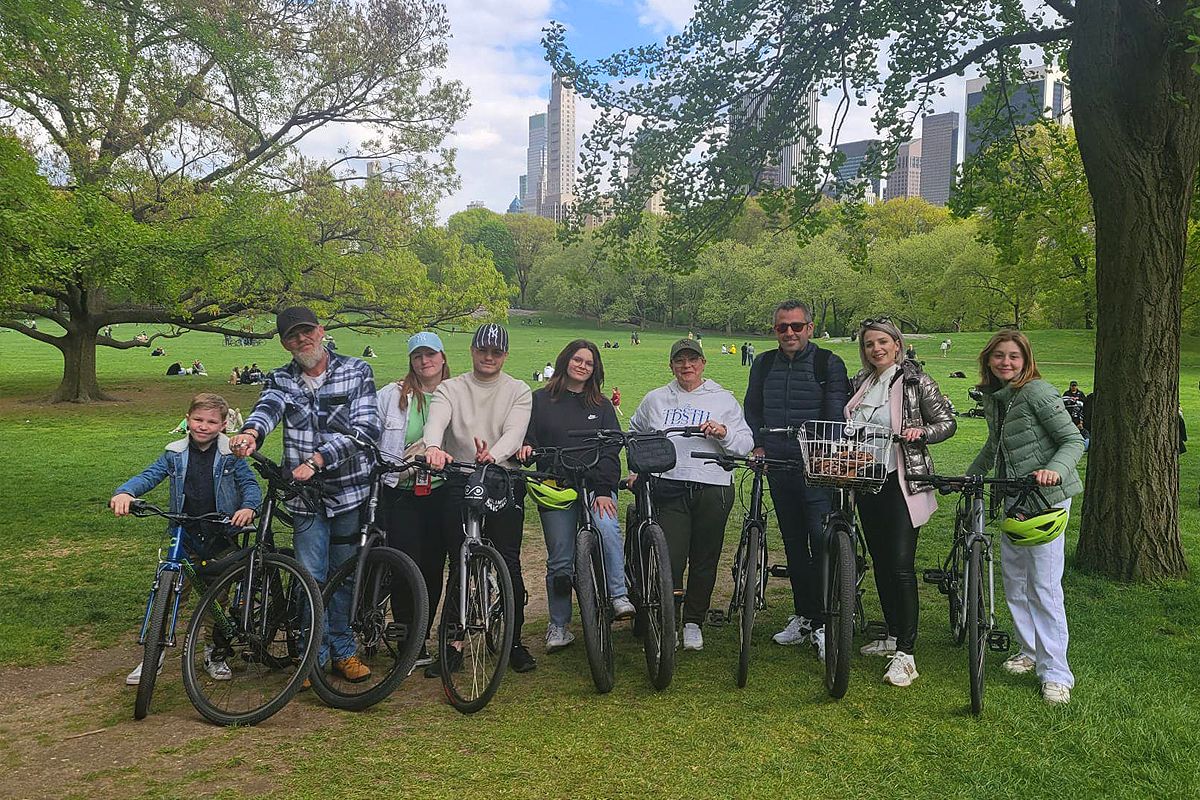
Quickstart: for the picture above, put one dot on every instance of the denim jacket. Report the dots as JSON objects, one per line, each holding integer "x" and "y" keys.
{"x": 233, "y": 482}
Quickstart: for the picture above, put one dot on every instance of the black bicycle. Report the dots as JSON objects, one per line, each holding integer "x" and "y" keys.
{"x": 388, "y": 605}
{"x": 961, "y": 578}
{"x": 750, "y": 567}
{"x": 256, "y": 630}
{"x": 591, "y": 573}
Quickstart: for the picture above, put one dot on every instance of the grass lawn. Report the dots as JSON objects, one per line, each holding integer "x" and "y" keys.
{"x": 73, "y": 579}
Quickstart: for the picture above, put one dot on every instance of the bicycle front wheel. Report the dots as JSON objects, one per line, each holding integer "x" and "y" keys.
{"x": 657, "y": 610}
{"x": 976, "y": 628}
{"x": 240, "y": 674}
{"x": 594, "y": 617}
{"x": 474, "y": 651}
{"x": 746, "y": 592}
{"x": 388, "y": 627}
{"x": 956, "y": 579}
{"x": 156, "y": 640}
{"x": 839, "y": 608}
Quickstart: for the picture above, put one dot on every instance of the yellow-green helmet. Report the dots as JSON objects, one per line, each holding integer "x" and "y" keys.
{"x": 548, "y": 495}
{"x": 1038, "y": 528}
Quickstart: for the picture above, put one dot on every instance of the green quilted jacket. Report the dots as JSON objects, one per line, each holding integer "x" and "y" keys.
{"x": 1037, "y": 433}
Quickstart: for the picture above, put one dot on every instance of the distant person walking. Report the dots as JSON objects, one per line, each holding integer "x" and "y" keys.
{"x": 616, "y": 401}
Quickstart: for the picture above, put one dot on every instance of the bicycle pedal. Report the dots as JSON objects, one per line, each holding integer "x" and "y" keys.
{"x": 718, "y": 618}
{"x": 998, "y": 641}
{"x": 933, "y": 576}
{"x": 396, "y": 631}
{"x": 778, "y": 570}
{"x": 876, "y": 630}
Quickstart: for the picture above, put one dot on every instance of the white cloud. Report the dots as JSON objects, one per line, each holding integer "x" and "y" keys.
{"x": 665, "y": 16}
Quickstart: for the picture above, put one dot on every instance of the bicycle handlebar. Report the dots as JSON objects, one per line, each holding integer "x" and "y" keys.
{"x": 728, "y": 461}
{"x": 959, "y": 483}
{"x": 140, "y": 508}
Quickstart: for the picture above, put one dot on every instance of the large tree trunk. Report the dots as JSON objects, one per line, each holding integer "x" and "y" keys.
{"x": 78, "y": 347}
{"x": 1137, "y": 119}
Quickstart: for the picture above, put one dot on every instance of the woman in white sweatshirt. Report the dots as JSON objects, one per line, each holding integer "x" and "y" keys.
{"x": 693, "y": 500}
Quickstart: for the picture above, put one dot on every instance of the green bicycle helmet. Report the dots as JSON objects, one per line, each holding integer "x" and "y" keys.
{"x": 1040, "y": 527}
{"x": 548, "y": 495}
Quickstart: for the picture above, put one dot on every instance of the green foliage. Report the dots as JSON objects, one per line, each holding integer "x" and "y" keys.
{"x": 487, "y": 229}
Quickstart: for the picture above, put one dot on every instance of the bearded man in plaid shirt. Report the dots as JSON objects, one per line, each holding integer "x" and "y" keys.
{"x": 316, "y": 394}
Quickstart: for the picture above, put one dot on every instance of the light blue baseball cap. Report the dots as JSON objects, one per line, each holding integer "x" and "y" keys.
{"x": 425, "y": 339}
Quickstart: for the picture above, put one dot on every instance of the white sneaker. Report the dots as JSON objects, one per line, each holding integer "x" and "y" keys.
{"x": 902, "y": 670}
{"x": 135, "y": 677}
{"x": 818, "y": 638}
{"x": 798, "y": 631}
{"x": 557, "y": 637}
{"x": 1056, "y": 694}
{"x": 879, "y": 647}
{"x": 622, "y": 608}
{"x": 217, "y": 670}
{"x": 693, "y": 639}
{"x": 1018, "y": 664}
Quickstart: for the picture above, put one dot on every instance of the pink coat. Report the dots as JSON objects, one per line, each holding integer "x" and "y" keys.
{"x": 921, "y": 505}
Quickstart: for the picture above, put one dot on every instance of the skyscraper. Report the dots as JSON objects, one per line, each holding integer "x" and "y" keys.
{"x": 1045, "y": 94}
{"x": 847, "y": 174}
{"x": 939, "y": 156}
{"x": 656, "y": 202}
{"x": 533, "y": 192}
{"x": 904, "y": 180}
{"x": 522, "y": 187}
{"x": 560, "y": 150}
{"x": 778, "y": 168}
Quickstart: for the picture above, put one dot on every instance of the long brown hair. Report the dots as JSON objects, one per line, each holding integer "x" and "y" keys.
{"x": 989, "y": 381}
{"x": 411, "y": 385}
{"x": 592, "y": 395}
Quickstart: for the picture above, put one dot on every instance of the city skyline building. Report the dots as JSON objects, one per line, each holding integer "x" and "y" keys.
{"x": 778, "y": 169}
{"x": 847, "y": 174}
{"x": 656, "y": 202}
{"x": 904, "y": 179}
{"x": 534, "y": 188}
{"x": 560, "y": 151}
{"x": 1045, "y": 94}
{"x": 939, "y": 156}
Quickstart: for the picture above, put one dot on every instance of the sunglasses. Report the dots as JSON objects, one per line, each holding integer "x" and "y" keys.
{"x": 795, "y": 327}
{"x": 875, "y": 321}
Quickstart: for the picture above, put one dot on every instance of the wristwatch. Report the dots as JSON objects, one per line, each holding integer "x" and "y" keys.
{"x": 311, "y": 464}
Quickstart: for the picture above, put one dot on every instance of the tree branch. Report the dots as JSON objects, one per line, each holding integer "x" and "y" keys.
{"x": 1065, "y": 8}
{"x": 999, "y": 43}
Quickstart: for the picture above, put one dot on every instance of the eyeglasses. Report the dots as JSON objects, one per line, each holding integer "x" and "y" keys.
{"x": 581, "y": 362}
{"x": 875, "y": 321}
{"x": 794, "y": 327}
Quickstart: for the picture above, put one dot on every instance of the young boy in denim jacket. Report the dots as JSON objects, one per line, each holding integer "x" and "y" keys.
{"x": 205, "y": 477}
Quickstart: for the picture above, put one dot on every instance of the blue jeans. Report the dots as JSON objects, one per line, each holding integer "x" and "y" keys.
{"x": 321, "y": 557}
{"x": 560, "y": 528}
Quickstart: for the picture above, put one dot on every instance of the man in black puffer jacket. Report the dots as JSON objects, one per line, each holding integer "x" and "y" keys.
{"x": 789, "y": 386}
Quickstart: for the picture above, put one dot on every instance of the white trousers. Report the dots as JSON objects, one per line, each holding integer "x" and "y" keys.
{"x": 1033, "y": 589}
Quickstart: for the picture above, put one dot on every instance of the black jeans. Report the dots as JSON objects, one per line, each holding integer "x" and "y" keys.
{"x": 416, "y": 525}
{"x": 693, "y": 522}
{"x": 892, "y": 541}
{"x": 504, "y": 530}
{"x": 801, "y": 509}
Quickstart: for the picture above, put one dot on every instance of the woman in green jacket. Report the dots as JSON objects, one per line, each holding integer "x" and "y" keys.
{"x": 1031, "y": 433}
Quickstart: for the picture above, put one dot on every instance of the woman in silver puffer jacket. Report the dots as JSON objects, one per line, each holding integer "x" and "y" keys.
{"x": 897, "y": 394}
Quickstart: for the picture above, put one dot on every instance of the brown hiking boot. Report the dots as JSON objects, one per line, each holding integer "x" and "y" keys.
{"x": 352, "y": 669}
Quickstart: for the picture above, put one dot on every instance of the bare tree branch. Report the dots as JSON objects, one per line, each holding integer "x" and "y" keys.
{"x": 999, "y": 43}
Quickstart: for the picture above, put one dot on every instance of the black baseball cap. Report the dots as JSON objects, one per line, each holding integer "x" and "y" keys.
{"x": 296, "y": 316}
{"x": 490, "y": 334}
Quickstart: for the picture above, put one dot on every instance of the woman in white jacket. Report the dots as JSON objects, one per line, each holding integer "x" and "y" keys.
{"x": 412, "y": 507}
{"x": 693, "y": 500}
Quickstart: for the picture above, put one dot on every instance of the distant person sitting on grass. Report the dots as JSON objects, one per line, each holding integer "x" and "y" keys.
{"x": 205, "y": 477}
{"x": 158, "y": 351}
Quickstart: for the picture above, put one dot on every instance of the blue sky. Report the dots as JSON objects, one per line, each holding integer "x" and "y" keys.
{"x": 495, "y": 51}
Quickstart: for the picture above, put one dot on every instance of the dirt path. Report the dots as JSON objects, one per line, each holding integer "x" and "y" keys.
{"x": 67, "y": 731}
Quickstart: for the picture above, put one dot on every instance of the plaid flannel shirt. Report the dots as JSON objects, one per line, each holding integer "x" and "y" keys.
{"x": 347, "y": 396}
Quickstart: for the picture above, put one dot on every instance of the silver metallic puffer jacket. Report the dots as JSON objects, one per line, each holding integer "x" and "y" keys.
{"x": 923, "y": 407}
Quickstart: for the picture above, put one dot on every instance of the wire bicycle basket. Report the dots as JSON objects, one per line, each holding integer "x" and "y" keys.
{"x": 845, "y": 455}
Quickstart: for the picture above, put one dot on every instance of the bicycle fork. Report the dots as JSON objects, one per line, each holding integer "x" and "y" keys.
{"x": 997, "y": 640}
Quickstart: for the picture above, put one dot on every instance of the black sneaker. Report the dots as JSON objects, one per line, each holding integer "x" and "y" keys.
{"x": 424, "y": 659}
{"x": 434, "y": 670}
{"x": 521, "y": 660}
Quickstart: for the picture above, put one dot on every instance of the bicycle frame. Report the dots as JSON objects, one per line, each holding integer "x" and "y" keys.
{"x": 176, "y": 562}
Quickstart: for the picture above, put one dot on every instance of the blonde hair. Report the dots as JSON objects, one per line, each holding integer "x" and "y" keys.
{"x": 988, "y": 380}
{"x": 883, "y": 326}
{"x": 208, "y": 401}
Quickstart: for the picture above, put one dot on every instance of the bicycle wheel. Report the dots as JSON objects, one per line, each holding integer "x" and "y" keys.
{"x": 156, "y": 636}
{"x": 238, "y": 674}
{"x": 746, "y": 592}
{"x": 388, "y": 627}
{"x": 976, "y": 626}
{"x": 657, "y": 610}
{"x": 474, "y": 651}
{"x": 839, "y": 608}
{"x": 957, "y": 585}
{"x": 594, "y": 615}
